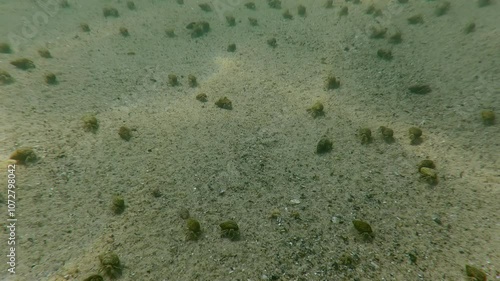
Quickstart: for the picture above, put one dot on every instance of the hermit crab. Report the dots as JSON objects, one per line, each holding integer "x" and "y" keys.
{"x": 110, "y": 264}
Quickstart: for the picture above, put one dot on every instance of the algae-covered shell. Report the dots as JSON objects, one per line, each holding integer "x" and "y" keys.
{"x": 230, "y": 230}
{"x": 475, "y": 273}
{"x": 415, "y": 133}
{"x": 193, "y": 225}
{"x": 24, "y": 155}
{"x": 229, "y": 225}
{"x": 95, "y": 277}
{"x": 224, "y": 103}
{"x": 184, "y": 213}
{"x": 90, "y": 123}
{"x": 488, "y": 117}
{"x": 23, "y": 63}
{"x": 362, "y": 226}
{"x": 51, "y": 79}
{"x": 173, "y": 80}
{"x": 332, "y": 82}
{"x": 365, "y": 134}
{"x": 387, "y": 133}
{"x": 324, "y": 145}
{"x": 192, "y": 80}
{"x": 44, "y": 53}
{"x": 125, "y": 133}
{"x": 5, "y": 78}
{"x": 316, "y": 110}
{"x": 5, "y": 48}
{"x": 110, "y": 264}
{"x": 202, "y": 97}
{"x": 118, "y": 204}
{"x": 109, "y": 258}
{"x": 429, "y": 174}
{"x": 427, "y": 164}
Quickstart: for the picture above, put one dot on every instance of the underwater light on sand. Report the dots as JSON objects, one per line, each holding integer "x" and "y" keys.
{"x": 226, "y": 64}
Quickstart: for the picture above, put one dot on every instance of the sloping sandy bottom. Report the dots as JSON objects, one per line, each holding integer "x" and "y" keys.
{"x": 260, "y": 157}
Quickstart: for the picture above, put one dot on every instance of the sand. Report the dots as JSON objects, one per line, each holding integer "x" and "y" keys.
{"x": 257, "y": 163}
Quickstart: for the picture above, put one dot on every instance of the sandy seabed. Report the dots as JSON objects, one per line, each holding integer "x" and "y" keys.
{"x": 257, "y": 163}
